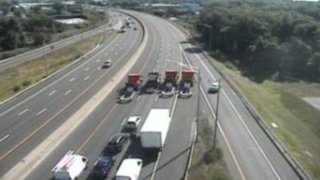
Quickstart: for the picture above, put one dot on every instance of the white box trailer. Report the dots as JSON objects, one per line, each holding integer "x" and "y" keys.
{"x": 129, "y": 169}
{"x": 155, "y": 129}
{"x": 70, "y": 166}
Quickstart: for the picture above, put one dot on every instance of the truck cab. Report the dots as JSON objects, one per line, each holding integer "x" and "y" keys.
{"x": 70, "y": 166}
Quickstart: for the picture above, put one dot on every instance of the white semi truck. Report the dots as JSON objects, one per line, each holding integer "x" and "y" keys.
{"x": 155, "y": 129}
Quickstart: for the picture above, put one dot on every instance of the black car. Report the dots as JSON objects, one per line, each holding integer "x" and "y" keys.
{"x": 116, "y": 142}
{"x": 102, "y": 167}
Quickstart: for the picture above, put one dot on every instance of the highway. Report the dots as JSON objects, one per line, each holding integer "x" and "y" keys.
{"x": 250, "y": 154}
{"x": 31, "y": 116}
{"x": 36, "y": 53}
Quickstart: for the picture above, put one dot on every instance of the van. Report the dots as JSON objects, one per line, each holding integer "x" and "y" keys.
{"x": 129, "y": 169}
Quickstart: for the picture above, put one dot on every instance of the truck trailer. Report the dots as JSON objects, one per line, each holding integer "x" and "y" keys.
{"x": 155, "y": 129}
{"x": 186, "y": 83}
{"x": 133, "y": 84}
{"x": 170, "y": 83}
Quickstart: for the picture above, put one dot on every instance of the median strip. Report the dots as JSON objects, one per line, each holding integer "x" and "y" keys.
{"x": 34, "y": 158}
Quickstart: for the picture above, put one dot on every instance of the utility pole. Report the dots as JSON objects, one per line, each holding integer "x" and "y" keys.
{"x": 198, "y": 104}
{"x": 217, "y": 115}
{"x": 45, "y": 55}
{"x": 210, "y": 35}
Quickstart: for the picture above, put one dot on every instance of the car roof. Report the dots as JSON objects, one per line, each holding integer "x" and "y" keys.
{"x": 133, "y": 118}
{"x": 103, "y": 161}
{"x": 116, "y": 138}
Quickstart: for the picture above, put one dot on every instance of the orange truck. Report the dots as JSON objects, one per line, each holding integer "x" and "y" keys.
{"x": 134, "y": 84}
{"x": 170, "y": 82}
{"x": 186, "y": 83}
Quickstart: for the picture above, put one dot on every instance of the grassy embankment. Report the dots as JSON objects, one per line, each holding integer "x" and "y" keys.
{"x": 281, "y": 103}
{"x": 207, "y": 163}
{"x": 15, "y": 79}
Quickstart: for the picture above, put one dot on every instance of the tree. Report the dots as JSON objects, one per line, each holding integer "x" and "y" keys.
{"x": 58, "y": 7}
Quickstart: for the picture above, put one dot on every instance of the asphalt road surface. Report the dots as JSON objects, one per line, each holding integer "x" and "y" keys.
{"x": 30, "y": 55}
{"x": 31, "y": 116}
{"x": 250, "y": 154}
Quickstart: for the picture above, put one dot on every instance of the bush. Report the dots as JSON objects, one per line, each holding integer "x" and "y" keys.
{"x": 26, "y": 83}
{"x": 16, "y": 88}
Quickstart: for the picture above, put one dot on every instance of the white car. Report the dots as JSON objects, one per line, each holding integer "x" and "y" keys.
{"x": 107, "y": 63}
{"x": 214, "y": 87}
{"x": 133, "y": 123}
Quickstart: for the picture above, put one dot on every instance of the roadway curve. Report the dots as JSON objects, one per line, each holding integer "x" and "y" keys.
{"x": 31, "y": 116}
{"x": 33, "y": 54}
{"x": 249, "y": 152}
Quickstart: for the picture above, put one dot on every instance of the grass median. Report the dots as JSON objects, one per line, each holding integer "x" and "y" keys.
{"x": 207, "y": 163}
{"x": 295, "y": 122}
{"x": 15, "y": 79}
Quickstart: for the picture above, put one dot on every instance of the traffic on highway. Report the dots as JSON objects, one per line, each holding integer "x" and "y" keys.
{"x": 129, "y": 110}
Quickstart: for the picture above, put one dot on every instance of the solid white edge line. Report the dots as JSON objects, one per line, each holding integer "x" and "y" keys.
{"x": 241, "y": 119}
{"x": 54, "y": 82}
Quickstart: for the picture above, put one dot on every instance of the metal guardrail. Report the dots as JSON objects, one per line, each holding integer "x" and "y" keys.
{"x": 293, "y": 163}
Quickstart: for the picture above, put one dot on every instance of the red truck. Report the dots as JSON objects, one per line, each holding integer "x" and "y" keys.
{"x": 170, "y": 83}
{"x": 186, "y": 83}
{"x": 134, "y": 83}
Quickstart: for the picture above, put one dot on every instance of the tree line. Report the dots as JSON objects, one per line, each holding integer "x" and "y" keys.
{"x": 266, "y": 40}
{"x": 20, "y": 28}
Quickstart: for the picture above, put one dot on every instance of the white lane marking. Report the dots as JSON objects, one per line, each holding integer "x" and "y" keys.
{"x": 52, "y": 92}
{"x": 4, "y": 138}
{"x": 42, "y": 111}
{"x": 155, "y": 166}
{"x": 67, "y": 74}
{"x": 87, "y": 69}
{"x": 72, "y": 79}
{"x": 243, "y": 123}
{"x": 86, "y": 78}
{"x": 240, "y": 117}
{"x": 123, "y": 121}
{"x": 98, "y": 60}
{"x": 69, "y": 91}
{"x": 22, "y": 112}
{"x": 156, "y": 98}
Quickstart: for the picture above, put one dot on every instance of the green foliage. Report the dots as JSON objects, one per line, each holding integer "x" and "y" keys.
{"x": 268, "y": 40}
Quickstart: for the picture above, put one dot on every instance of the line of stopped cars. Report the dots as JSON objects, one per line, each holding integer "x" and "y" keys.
{"x": 173, "y": 82}
{"x": 150, "y": 138}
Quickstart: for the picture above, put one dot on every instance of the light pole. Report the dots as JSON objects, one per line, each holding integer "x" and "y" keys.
{"x": 198, "y": 104}
{"x": 210, "y": 38}
{"x": 217, "y": 115}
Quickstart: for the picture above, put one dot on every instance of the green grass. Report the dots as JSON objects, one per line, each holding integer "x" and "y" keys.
{"x": 15, "y": 79}
{"x": 207, "y": 163}
{"x": 281, "y": 103}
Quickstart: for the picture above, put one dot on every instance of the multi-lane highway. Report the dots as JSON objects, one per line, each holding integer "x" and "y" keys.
{"x": 30, "y": 55}
{"x": 31, "y": 117}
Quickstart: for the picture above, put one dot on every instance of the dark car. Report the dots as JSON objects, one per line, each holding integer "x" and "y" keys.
{"x": 102, "y": 167}
{"x": 116, "y": 142}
